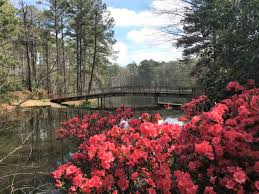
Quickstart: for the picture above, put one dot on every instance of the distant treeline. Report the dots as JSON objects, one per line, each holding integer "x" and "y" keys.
{"x": 150, "y": 73}
{"x": 153, "y": 73}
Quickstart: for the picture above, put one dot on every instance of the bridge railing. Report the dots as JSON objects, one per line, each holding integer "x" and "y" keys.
{"x": 135, "y": 90}
{"x": 72, "y": 94}
{"x": 158, "y": 89}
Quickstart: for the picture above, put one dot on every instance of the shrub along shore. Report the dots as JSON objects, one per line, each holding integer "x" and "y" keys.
{"x": 216, "y": 151}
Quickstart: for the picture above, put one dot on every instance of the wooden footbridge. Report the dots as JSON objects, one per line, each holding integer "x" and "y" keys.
{"x": 156, "y": 92}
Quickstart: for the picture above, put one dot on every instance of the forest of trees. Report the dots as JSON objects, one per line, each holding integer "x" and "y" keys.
{"x": 150, "y": 73}
{"x": 58, "y": 45}
{"x": 153, "y": 73}
{"x": 66, "y": 46}
{"x": 222, "y": 37}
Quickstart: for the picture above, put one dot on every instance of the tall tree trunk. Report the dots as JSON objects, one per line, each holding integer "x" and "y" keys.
{"x": 33, "y": 51}
{"x": 29, "y": 85}
{"x": 24, "y": 17}
{"x": 93, "y": 66}
{"x": 77, "y": 63}
{"x": 47, "y": 64}
{"x": 63, "y": 58}
{"x": 80, "y": 65}
{"x": 84, "y": 67}
{"x": 57, "y": 59}
{"x": 22, "y": 66}
{"x": 33, "y": 60}
{"x": 94, "y": 56}
{"x": 57, "y": 44}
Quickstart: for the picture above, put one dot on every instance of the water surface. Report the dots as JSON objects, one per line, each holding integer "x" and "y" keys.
{"x": 28, "y": 139}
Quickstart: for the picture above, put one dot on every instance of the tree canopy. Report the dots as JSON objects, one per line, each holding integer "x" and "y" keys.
{"x": 223, "y": 36}
{"x": 8, "y": 29}
{"x": 61, "y": 46}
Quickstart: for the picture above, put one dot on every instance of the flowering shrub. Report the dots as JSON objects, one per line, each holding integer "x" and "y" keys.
{"x": 133, "y": 159}
{"x": 219, "y": 148}
{"x": 92, "y": 124}
{"x": 235, "y": 86}
{"x": 195, "y": 106}
{"x": 214, "y": 152}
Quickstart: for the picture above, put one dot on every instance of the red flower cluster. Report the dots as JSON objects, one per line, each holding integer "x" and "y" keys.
{"x": 214, "y": 152}
{"x": 92, "y": 124}
{"x": 185, "y": 183}
{"x": 123, "y": 160}
{"x": 168, "y": 106}
{"x": 250, "y": 83}
{"x": 146, "y": 117}
{"x": 220, "y": 147}
{"x": 75, "y": 176}
{"x": 235, "y": 86}
{"x": 193, "y": 108}
{"x": 204, "y": 148}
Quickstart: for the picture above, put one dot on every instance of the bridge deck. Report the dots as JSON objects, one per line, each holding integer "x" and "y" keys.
{"x": 161, "y": 91}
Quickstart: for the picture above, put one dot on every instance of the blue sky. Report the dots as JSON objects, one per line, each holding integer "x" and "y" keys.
{"x": 137, "y": 30}
{"x": 136, "y": 5}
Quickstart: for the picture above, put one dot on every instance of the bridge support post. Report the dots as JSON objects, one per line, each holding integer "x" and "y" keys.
{"x": 156, "y": 99}
{"x": 102, "y": 102}
{"x": 98, "y": 102}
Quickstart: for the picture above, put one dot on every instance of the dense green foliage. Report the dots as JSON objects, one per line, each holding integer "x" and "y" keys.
{"x": 66, "y": 46}
{"x": 8, "y": 26}
{"x": 223, "y": 36}
{"x": 56, "y": 45}
{"x": 153, "y": 73}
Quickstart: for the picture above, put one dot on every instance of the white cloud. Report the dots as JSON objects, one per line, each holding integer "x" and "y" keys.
{"x": 148, "y": 40}
{"x": 158, "y": 55}
{"x": 169, "y": 5}
{"x": 126, "y": 55}
{"x": 128, "y": 18}
{"x": 152, "y": 37}
{"x": 122, "y": 52}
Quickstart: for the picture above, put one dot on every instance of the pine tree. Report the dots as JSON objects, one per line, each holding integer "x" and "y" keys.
{"x": 8, "y": 30}
{"x": 224, "y": 36}
{"x": 103, "y": 38}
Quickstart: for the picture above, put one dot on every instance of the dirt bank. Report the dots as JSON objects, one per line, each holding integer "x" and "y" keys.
{"x": 40, "y": 103}
{"x": 26, "y": 99}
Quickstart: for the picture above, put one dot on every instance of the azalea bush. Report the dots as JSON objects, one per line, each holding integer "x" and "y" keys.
{"x": 136, "y": 159}
{"x": 92, "y": 124}
{"x": 219, "y": 148}
{"x": 214, "y": 152}
{"x": 195, "y": 106}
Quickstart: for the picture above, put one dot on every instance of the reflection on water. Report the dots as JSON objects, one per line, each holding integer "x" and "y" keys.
{"x": 142, "y": 101}
{"x": 29, "y": 141}
{"x": 32, "y": 149}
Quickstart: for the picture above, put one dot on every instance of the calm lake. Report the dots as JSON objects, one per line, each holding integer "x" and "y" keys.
{"x": 29, "y": 150}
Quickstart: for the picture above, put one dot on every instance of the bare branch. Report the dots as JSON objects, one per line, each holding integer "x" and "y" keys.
{"x": 17, "y": 148}
{"x": 38, "y": 85}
